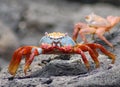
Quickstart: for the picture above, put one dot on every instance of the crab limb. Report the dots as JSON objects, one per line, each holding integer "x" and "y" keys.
{"x": 95, "y": 52}
{"x": 103, "y": 50}
{"x": 113, "y": 20}
{"x": 82, "y": 29}
{"x": 17, "y": 56}
{"x": 34, "y": 52}
{"x": 100, "y": 32}
{"x": 79, "y": 51}
{"x": 76, "y": 31}
{"x": 91, "y": 52}
{"x": 70, "y": 49}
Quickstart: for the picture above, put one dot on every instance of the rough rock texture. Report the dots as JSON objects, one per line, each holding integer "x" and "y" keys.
{"x": 59, "y": 72}
{"x": 70, "y": 73}
{"x": 23, "y": 22}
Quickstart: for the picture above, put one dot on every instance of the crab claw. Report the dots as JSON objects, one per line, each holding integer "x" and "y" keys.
{"x": 29, "y": 52}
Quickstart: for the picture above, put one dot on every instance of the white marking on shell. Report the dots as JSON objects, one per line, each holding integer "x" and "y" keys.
{"x": 58, "y": 44}
{"x": 39, "y": 50}
{"x": 53, "y": 44}
{"x": 32, "y": 50}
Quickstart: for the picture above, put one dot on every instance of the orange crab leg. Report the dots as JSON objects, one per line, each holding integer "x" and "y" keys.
{"x": 27, "y": 57}
{"x": 79, "y": 51}
{"x": 29, "y": 60}
{"x": 76, "y": 31}
{"x": 82, "y": 29}
{"x": 95, "y": 52}
{"x": 100, "y": 32}
{"x": 103, "y": 50}
{"x": 17, "y": 56}
{"x": 91, "y": 52}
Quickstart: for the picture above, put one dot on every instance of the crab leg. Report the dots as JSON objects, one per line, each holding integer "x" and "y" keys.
{"x": 92, "y": 54}
{"x": 17, "y": 56}
{"x": 30, "y": 59}
{"x": 69, "y": 49}
{"x": 82, "y": 29}
{"x": 76, "y": 31}
{"x": 79, "y": 51}
{"x": 103, "y": 50}
{"x": 100, "y": 32}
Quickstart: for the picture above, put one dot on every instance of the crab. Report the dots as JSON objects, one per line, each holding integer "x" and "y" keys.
{"x": 56, "y": 43}
{"x": 95, "y": 25}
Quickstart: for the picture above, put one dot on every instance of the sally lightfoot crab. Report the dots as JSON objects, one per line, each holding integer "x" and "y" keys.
{"x": 56, "y": 43}
{"x": 96, "y": 25}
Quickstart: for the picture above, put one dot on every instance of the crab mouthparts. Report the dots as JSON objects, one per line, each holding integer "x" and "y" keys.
{"x": 56, "y": 44}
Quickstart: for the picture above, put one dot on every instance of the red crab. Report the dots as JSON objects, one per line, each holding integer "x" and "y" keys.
{"x": 56, "y": 43}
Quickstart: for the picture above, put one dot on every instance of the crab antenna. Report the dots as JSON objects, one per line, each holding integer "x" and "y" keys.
{"x": 46, "y": 33}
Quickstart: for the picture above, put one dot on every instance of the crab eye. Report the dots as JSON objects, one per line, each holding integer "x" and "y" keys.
{"x": 46, "y": 33}
{"x": 66, "y": 34}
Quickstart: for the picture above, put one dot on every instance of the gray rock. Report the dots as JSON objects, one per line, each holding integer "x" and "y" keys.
{"x": 10, "y": 12}
{"x": 57, "y": 73}
{"x": 61, "y": 68}
{"x": 8, "y": 41}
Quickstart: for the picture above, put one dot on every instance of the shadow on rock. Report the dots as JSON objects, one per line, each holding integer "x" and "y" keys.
{"x": 59, "y": 67}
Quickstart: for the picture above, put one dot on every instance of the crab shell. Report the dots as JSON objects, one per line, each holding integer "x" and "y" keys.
{"x": 57, "y": 39}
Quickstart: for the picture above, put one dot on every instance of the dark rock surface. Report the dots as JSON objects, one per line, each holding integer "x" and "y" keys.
{"x": 70, "y": 73}
{"x": 23, "y": 22}
{"x": 112, "y": 2}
